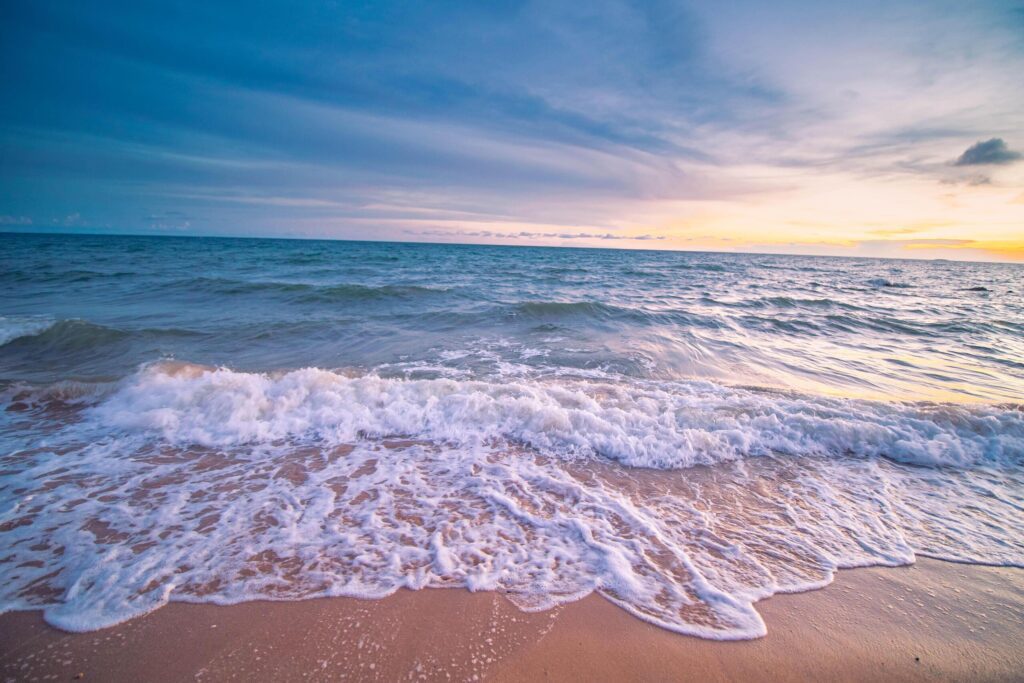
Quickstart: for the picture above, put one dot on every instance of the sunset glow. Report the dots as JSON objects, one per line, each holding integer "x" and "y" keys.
{"x": 889, "y": 129}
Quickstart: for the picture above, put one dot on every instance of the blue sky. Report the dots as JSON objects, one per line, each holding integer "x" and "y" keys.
{"x": 788, "y": 126}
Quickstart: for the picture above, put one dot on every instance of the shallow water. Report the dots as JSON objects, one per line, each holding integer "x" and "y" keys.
{"x": 685, "y": 433}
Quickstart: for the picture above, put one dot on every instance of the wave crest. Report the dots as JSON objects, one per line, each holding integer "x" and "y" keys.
{"x": 883, "y": 282}
{"x": 664, "y": 425}
{"x": 15, "y": 327}
{"x": 306, "y": 291}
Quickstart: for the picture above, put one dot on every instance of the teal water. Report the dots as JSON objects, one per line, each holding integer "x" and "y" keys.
{"x": 98, "y": 307}
{"x": 221, "y": 420}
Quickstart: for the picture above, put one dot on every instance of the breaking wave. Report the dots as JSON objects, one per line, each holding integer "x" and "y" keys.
{"x": 682, "y": 502}
{"x": 665, "y": 425}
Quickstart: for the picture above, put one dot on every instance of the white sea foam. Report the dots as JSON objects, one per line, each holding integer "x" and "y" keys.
{"x": 188, "y": 483}
{"x": 642, "y": 424}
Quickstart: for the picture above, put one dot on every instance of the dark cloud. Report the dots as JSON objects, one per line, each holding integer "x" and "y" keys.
{"x": 992, "y": 151}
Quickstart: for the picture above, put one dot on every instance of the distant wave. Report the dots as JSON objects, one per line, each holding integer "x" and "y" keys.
{"x": 15, "y": 327}
{"x": 68, "y": 336}
{"x": 794, "y": 302}
{"x": 357, "y": 292}
{"x": 556, "y": 312}
{"x": 568, "y": 309}
{"x": 820, "y": 304}
{"x": 306, "y": 291}
{"x": 708, "y": 267}
{"x": 77, "y": 334}
{"x": 882, "y": 282}
{"x": 75, "y": 276}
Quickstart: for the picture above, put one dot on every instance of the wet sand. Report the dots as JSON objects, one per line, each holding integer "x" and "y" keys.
{"x": 932, "y": 621}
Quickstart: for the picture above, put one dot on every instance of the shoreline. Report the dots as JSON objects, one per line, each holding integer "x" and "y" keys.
{"x": 927, "y": 621}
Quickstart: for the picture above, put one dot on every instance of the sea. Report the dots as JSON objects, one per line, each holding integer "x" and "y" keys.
{"x": 221, "y": 420}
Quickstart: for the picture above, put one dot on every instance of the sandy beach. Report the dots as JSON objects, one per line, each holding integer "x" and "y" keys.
{"x": 931, "y": 621}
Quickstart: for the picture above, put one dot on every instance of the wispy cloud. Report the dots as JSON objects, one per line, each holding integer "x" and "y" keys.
{"x": 169, "y": 221}
{"x": 587, "y": 121}
{"x": 915, "y": 243}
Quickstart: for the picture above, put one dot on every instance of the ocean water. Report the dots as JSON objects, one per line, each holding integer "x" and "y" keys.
{"x": 220, "y": 420}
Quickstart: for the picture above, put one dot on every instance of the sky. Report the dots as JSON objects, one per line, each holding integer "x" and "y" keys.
{"x": 855, "y": 128}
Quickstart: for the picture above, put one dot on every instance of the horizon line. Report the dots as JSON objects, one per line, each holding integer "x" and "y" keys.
{"x": 7, "y": 230}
